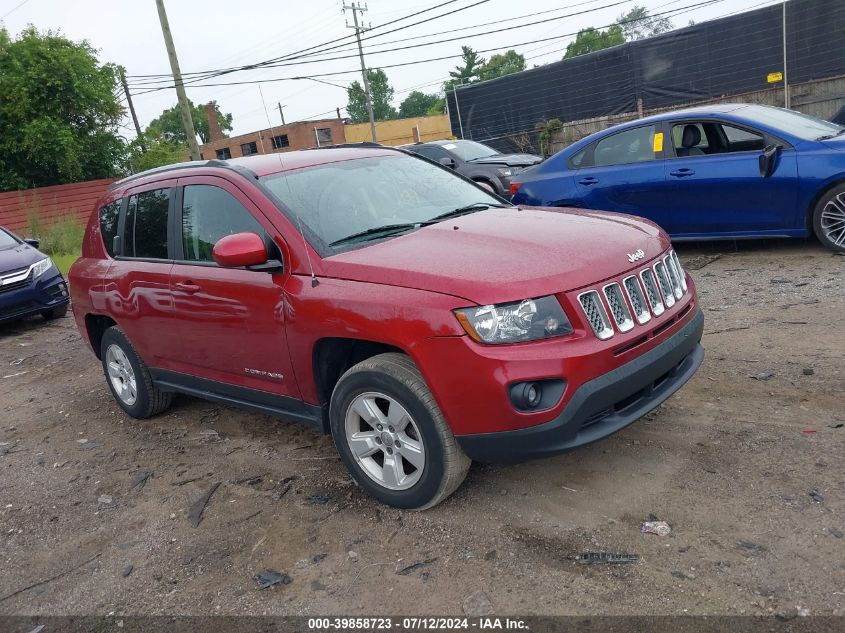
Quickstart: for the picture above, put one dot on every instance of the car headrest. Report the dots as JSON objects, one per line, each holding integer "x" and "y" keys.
{"x": 691, "y": 136}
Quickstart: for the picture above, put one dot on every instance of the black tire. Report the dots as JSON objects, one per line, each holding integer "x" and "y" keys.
{"x": 55, "y": 313}
{"x": 395, "y": 375}
{"x": 149, "y": 400}
{"x": 834, "y": 240}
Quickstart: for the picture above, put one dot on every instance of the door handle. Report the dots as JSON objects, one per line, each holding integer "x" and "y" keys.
{"x": 682, "y": 173}
{"x": 589, "y": 180}
{"x": 188, "y": 287}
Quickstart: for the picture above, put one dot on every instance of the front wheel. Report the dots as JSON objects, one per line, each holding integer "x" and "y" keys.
{"x": 829, "y": 219}
{"x": 392, "y": 436}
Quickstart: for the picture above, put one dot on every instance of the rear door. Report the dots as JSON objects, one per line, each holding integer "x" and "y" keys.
{"x": 137, "y": 288}
{"x": 718, "y": 189}
{"x": 624, "y": 172}
{"x": 231, "y": 321}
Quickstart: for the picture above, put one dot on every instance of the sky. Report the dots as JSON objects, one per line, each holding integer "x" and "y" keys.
{"x": 214, "y": 34}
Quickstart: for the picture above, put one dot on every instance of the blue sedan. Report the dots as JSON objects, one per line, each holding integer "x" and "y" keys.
{"x": 30, "y": 283}
{"x": 724, "y": 171}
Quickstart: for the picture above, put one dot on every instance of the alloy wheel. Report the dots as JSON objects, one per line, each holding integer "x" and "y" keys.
{"x": 121, "y": 375}
{"x": 833, "y": 220}
{"x": 385, "y": 441}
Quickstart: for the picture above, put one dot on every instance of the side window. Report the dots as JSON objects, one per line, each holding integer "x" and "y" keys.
{"x": 630, "y": 146}
{"x": 432, "y": 152}
{"x": 109, "y": 215}
{"x": 578, "y": 160}
{"x": 690, "y": 139}
{"x": 209, "y": 213}
{"x": 740, "y": 140}
{"x": 146, "y": 225}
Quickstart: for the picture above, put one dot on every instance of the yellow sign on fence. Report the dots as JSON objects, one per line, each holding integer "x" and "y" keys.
{"x": 773, "y": 78}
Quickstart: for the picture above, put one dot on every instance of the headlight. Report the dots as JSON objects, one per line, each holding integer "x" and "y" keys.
{"x": 39, "y": 268}
{"x": 506, "y": 172}
{"x": 527, "y": 320}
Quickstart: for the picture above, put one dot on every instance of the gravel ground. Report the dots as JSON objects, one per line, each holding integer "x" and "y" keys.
{"x": 745, "y": 463}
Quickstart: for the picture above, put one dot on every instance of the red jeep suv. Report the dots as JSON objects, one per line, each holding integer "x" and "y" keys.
{"x": 421, "y": 320}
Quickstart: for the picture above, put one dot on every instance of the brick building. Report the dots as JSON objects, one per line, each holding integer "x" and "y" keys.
{"x": 279, "y": 138}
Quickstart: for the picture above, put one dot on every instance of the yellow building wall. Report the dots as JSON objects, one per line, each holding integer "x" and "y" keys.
{"x": 400, "y": 131}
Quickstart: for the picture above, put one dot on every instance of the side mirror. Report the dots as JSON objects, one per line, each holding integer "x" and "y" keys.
{"x": 449, "y": 162}
{"x": 239, "y": 250}
{"x": 768, "y": 160}
{"x": 34, "y": 243}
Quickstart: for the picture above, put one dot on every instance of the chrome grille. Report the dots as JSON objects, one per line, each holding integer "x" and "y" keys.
{"x": 664, "y": 284}
{"x": 652, "y": 293}
{"x": 596, "y": 314}
{"x": 618, "y": 307}
{"x": 680, "y": 270}
{"x": 8, "y": 286}
{"x": 637, "y": 299}
{"x": 674, "y": 277}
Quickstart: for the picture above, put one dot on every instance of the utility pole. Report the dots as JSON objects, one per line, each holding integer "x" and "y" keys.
{"x": 786, "y": 99}
{"x": 356, "y": 8}
{"x": 131, "y": 107}
{"x": 177, "y": 80}
{"x": 281, "y": 114}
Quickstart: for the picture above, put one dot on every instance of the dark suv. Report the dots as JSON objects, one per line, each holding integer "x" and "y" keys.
{"x": 478, "y": 162}
{"x": 376, "y": 296}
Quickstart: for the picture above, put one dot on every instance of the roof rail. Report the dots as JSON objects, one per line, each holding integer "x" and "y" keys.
{"x": 222, "y": 164}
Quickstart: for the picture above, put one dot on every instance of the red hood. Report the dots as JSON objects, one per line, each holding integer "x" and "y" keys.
{"x": 500, "y": 255}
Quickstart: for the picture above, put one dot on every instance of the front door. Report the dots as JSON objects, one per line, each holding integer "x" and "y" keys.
{"x": 231, "y": 322}
{"x": 624, "y": 172}
{"x": 715, "y": 185}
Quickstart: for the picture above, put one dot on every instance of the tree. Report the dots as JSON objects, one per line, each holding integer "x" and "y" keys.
{"x": 467, "y": 72}
{"x": 169, "y": 123}
{"x": 591, "y": 39}
{"x": 58, "y": 110}
{"x": 417, "y": 104}
{"x": 439, "y": 107}
{"x": 501, "y": 65}
{"x": 152, "y": 150}
{"x": 637, "y": 24}
{"x": 381, "y": 93}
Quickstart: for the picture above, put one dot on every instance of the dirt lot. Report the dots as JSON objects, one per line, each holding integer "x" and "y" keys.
{"x": 749, "y": 473}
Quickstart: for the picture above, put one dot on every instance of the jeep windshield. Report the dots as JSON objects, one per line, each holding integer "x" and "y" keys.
{"x": 355, "y": 202}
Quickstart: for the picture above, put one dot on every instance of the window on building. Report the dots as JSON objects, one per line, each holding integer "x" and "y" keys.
{"x": 208, "y": 214}
{"x": 224, "y": 153}
{"x": 280, "y": 141}
{"x": 247, "y": 149}
{"x": 109, "y": 215}
{"x": 324, "y": 136}
{"x": 146, "y": 225}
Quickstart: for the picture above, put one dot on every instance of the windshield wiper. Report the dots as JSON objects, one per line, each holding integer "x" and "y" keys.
{"x": 378, "y": 231}
{"x": 467, "y": 208}
{"x": 829, "y": 136}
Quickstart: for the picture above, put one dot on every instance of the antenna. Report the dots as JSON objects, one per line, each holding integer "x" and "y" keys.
{"x": 314, "y": 281}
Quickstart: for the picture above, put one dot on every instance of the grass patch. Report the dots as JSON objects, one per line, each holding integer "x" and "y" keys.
{"x": 61, "y": 240}
{"x": 64, "y": 262}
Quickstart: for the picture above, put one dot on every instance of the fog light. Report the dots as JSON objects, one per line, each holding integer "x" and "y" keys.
{"x": 533, "y": 395}
{"x": 536, "y": 395}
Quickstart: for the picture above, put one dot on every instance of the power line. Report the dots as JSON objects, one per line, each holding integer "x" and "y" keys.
{"x": 292, "y": 62}
{"x": 295, "y": 54}
{"x": 431, "y": 59}
{"x": 13, "y": 9}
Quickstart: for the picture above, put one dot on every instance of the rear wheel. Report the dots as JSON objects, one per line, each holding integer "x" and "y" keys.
{"x": 55, "y": 313}
{"x": 392, "y": 436}
{"x": 829, "y": 219}
{"x": 128, "y": 377}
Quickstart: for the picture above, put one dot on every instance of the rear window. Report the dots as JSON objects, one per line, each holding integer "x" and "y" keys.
{"x": 146, "y": 225}
{"x": 109, "y": 215}
{"x": 630, "y": 146}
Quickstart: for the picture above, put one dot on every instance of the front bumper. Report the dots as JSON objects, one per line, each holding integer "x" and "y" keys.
{"x": 44, "y": 293}
{"x": 603, "y": 405}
